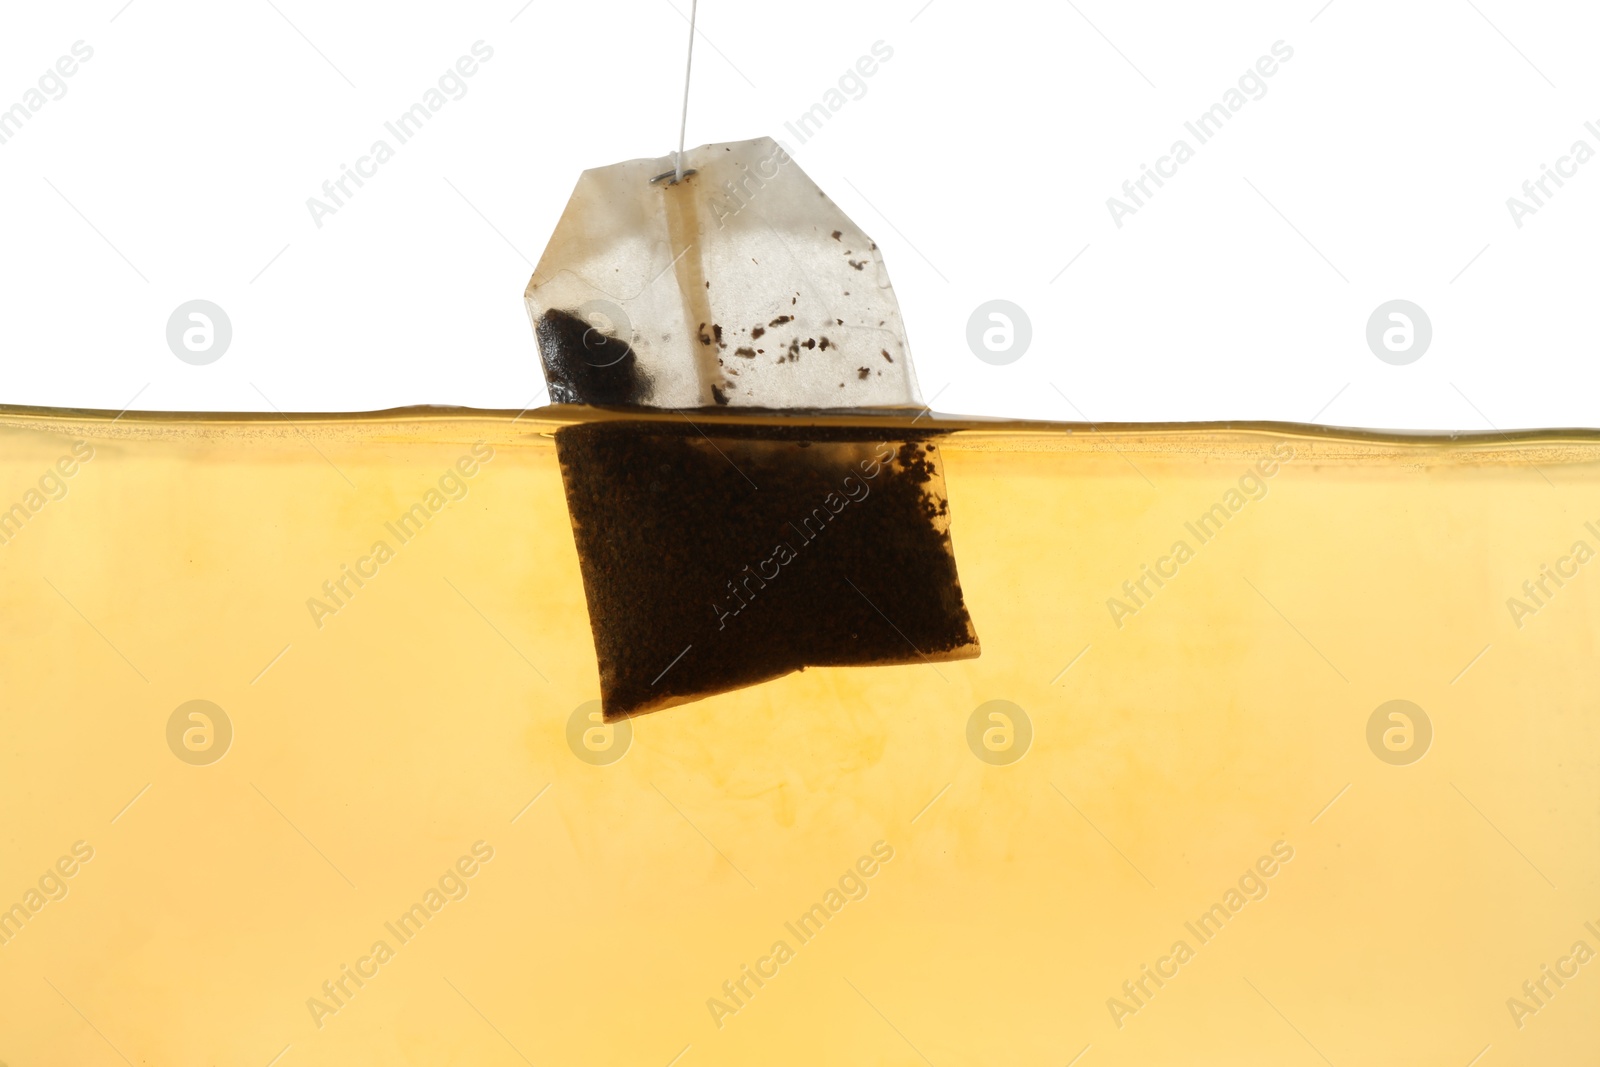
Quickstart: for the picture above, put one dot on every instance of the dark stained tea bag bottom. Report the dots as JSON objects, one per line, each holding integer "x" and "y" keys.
{"x": 714, "y": 562}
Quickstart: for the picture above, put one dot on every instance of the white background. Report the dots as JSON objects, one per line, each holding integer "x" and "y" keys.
{"x": 1377, "y": 166}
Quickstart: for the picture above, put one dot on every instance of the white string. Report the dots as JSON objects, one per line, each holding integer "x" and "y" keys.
{"x": 683, "y": 128}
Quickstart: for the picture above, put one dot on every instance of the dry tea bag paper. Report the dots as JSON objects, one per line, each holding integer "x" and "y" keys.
{"x": 741, "y": 285}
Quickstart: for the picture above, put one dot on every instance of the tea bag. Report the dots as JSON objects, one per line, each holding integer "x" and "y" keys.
{"x": 720, "y": 554}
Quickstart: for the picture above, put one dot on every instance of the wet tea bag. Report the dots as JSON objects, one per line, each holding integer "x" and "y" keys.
{"x": 718, "y": 554}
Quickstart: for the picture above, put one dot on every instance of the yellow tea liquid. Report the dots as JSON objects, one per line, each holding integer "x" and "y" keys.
{"x": 1282, "y": 748}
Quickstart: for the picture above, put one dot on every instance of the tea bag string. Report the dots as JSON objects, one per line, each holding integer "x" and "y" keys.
{"x": 688, "y": 68}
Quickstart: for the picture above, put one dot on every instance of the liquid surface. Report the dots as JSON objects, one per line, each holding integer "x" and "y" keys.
{"x": 1177, "y": 820}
